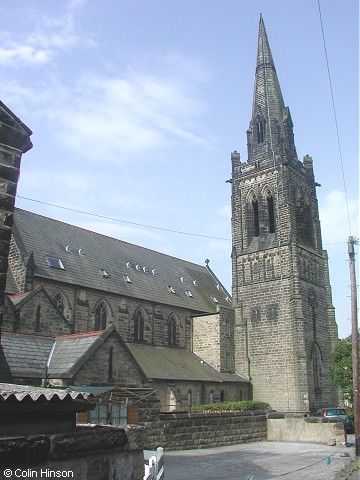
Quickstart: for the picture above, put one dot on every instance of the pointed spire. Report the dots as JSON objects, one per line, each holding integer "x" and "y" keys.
{"x": 270, "y": 132}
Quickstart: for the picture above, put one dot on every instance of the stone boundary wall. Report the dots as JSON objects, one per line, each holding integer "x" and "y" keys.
{"x": 85, "y": 453}
{"x": 180, "y": 431}
{"x": 283, "y": 428}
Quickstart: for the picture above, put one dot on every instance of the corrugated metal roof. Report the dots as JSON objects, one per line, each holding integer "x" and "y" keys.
{"x": 150, "y": 272}
{"x": 23, "y": 393}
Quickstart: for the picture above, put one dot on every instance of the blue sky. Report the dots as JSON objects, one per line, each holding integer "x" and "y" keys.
{"x": 136, "y": 106}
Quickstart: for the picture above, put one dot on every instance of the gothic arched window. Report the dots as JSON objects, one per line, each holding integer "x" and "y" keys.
{"x": 139, "y": 326}
{"x": 58, "y": 301}
{"x": 100, "y": 317}
{"x": 260, "y": 131}
{"x": 172, "y": 331}
{"x": 255, "y": 212}
{"x": 270, "y": 211}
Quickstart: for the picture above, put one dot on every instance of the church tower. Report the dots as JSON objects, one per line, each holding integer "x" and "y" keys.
{"x": 285, "y": 324}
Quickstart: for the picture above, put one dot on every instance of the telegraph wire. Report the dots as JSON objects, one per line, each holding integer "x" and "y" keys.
{"x": 335, "y": 117}
{"x": 113, "y": 219}
{"x": 82, "y": 212}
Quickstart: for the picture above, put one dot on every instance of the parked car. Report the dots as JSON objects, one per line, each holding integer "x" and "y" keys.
{"x": 335, "y": 412}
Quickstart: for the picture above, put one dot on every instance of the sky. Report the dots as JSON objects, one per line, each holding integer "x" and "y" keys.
{"x": 136, "y": 106}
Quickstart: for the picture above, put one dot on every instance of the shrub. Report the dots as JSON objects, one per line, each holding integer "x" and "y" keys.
{"x": 240, "y": 406}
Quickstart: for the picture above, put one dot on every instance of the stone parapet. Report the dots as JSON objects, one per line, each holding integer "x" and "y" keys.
{"x": 86, "y": 452}
{"x": 179, "y": 431}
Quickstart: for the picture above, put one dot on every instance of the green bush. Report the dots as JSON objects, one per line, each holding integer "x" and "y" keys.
{"x": 240, "y": 406}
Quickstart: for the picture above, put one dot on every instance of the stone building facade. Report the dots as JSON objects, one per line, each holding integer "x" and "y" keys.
{"x": 98, "y": 311}
{"x": 14, "y": 142}
{"x": 285, "y": 325}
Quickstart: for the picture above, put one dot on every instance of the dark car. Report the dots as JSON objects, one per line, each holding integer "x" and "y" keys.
{"x": 335, "y": 412}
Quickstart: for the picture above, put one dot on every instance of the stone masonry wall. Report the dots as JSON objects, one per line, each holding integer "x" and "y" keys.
{"x": 80, "y": 305}
{"x": 181, "y": 431}
{"x": 85, "y": 453}
{"x": 218, "y": 330}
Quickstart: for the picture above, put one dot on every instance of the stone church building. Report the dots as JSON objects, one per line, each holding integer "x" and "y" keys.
{"x": 84, "y": 309}
{"x": 285, "y": 324}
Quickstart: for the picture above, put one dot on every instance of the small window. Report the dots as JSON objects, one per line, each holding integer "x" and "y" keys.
{"x": 214, "y": 299}
{"x": 127, "y": 279}
{"x": 195, "y": 283}
{"x": 182, "y": 279}
{"x": 189, "y": 294}
{"x": 128, "y": 265}
{"x": 103, "y": 273}
{"x": 138, "y": 268}
{"x": 228, "y": 299}
{"x": 55, "y": 262}
{"x": 272, "y": 312}
{"x": 171, "y": 289}
{"x": 68, "y": 249}
{"x": 255, "y": 314}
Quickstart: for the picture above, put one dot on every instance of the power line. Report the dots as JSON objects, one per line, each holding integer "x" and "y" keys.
{"x": 123, "y": 221}
{"x": 137, "y": 224}
{"x": 335, "y": 118}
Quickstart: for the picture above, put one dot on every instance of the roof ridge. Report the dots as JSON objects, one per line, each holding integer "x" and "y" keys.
{"x": 26, "y": 334}
{"x": 81, "y": 334}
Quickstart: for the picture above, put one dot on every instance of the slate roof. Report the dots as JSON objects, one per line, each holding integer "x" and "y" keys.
{"x": 168, "y": 363}
{"x": 150, "y": 272}
{"x": 72, "y": 351}
{"x": 26, "y": 354}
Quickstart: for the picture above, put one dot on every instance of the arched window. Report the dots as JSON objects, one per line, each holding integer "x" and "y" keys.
{"x": 172, "y": 331}
{"x": 189, "y": 397}
{"x": 100, "y": 317}
{"x": 58, "y": 301}
{"x": 255, "y": 212}
{"x": 271, "y": 216}
{"x": 139, "y": 326}
{"x": 211, "y": 396}
{"x": 260, "y": 131}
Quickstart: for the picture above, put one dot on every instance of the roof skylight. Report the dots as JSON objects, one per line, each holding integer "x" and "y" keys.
{"x": 55, "y": 262}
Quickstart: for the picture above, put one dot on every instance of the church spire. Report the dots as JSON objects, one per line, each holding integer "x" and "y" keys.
{"x": 270, "y": 134}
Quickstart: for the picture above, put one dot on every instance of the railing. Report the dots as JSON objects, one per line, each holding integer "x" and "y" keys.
{"x": 154, "y": 469}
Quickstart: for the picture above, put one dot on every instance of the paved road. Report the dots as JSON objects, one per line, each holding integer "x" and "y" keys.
{"x": 258, "y": 461}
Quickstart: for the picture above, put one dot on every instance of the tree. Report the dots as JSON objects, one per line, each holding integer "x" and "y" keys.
{"x": 341, "y": 370}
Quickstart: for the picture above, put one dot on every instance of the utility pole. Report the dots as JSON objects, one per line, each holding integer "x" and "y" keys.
{"x": 355, "y": 343}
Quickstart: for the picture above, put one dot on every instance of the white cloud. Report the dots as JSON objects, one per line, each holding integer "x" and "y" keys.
{"x": 335, "y": 219}
{"x": 131, "y": 113}
{"x": 48, "y": 36}
{"x": 225, "y": 211}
